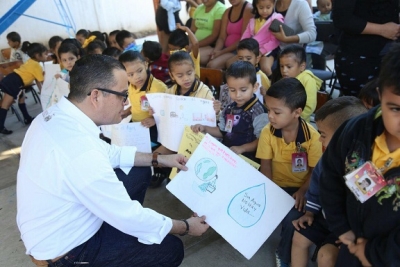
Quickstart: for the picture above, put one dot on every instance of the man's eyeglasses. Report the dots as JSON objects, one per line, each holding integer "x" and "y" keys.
{"x": 123, "y": 94}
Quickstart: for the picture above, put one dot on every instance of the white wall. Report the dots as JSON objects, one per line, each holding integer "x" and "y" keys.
{"x": 103, "y": 15}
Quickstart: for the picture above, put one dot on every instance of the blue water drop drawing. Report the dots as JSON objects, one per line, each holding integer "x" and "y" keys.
{"x": 247, "y": 207}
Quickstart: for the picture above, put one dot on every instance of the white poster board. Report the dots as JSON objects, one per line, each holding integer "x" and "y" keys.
{"x": 258, "y": 92}
{"x": 239, "y": 202}
{"x": 129, "y": 134}
{"x": 172, "y": 113}
{"x": 49, "y": 84}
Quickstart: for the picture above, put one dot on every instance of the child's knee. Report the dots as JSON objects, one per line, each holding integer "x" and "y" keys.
{"x": 300, "y": 240}
{"x": 327, "y": 255}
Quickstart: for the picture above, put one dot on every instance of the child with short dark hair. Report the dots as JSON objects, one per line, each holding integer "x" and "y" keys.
{"x": 68, "y": 54}
{"x": 82, "y": 35}
{"x": 14, "y": 41}
{"x": 112, "y": 41}
{"x": 23, "y": 76}
{"x": 286, "y": 138}
{"x": 158, "y": 61}
{"x": 184, "y": 39}
{"x": 112, "y": 52}
{"x": 54, "y": 44}
{"x": 124, "y": 39}
{"x": 370, "y": 230}
{"x": 248, "y": 50}
{"x": 312, "y": 227}
{"x": 95, "y": 47}
{"x": 369, "y": 94}
{"x": 292, "y": 63}
{"x": 241, "y": 122}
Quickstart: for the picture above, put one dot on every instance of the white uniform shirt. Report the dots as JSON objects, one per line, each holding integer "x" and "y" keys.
{"x": 66, "y": 186}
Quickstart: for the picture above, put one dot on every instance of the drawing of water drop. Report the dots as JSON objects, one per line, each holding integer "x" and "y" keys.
{"x": 247, "y": 207}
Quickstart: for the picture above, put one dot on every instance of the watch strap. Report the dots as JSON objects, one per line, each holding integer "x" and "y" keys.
{"x": 187, "y": 227}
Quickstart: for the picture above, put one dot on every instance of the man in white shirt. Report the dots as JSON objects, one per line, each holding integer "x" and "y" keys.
{"x": 71, "y": 207}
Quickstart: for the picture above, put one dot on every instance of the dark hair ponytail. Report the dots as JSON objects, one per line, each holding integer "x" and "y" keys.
{"x": 32, "y": 49}
{"x": 24, "y": 47}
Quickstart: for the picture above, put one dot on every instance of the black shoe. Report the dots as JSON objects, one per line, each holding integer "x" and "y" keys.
{"x": 157, "y": 179}
{"x": 5, "y": 131}
{"x": 28, "y": 120}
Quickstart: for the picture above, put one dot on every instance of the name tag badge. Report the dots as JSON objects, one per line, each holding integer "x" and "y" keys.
{"x": 299, "y": 162}
{"x": 229, "y": 123}
{"x": 144, "y": 103}
{"x": 365, "y": 181}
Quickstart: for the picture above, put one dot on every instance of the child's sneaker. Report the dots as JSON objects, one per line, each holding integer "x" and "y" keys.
{"x": 279, "y": 262}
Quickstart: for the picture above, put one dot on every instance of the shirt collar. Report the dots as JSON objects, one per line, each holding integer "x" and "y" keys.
{"x": 191, "y": 91}
{"x": 147, "y": 84}
{"x": 303, "y": 133}
{"x": 74, "y": 112}
{"x": 248, "y": 104}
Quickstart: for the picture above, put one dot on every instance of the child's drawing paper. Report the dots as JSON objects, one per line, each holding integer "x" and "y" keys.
{"x": 258, "y": 92}
{"x": 49, "y": 84}
{"x": 189, "y": 143}
{"x": 251, "y": 162}
{"x": 129, "y": 134}
{"x": 172, "y": 113}
{"x": 239, "y": 202}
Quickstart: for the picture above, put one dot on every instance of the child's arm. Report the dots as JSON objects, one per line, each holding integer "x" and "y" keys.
{"x": 192, "y": 39}
{"x": 214, "y": 131}
{"x": 249, "y": 147}
{"x": 266, "y": 167}
{"x": 39, "y": 85}
{"x": 126, "y": 113}
{"x": 148, "y": 122}
{"x": 299, "y": 195}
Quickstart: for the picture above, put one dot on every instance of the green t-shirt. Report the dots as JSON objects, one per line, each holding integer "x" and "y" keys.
{"x": 205, "y": 21}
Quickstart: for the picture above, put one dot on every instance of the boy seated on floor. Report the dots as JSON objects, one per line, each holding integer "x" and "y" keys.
{"x": 285, "y": 139}
{"x": 312, "y": 227}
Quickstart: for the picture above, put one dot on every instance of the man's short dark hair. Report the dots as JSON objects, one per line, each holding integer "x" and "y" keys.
{"x": 242, "y": 69}
{"x": 178, "y": 38}
{"x": 14, "y": 37}
{"x": 152, "y": 50}
{"x": 339, "y": 110}
{"x": 291, "y": 91}
{"x": 249, "y": 44}
{"x": 91, "y": 72}
{"x": 121, "y": 36}
{"x": 390, "y": 69}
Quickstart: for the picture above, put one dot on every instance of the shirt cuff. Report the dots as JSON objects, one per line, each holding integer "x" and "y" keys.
{"x": 157, "y": 239}
{"x": 127, "y": 156}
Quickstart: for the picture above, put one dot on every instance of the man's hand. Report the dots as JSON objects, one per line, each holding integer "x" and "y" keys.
{"x": 197, "y": 225}
{"x": 308, "y": 218}
{"x": 198, "y": 128}
{"x": 348, "y": 238}
{"x": 148, "y": 122}
{"x": 358, "y": 250}
{"x": 176, "y": 160}
{"x": 299, "y": 196}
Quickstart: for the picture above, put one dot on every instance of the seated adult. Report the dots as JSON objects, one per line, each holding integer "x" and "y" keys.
{"x": 234, "y": 22}
{"x": 72, "y": 209}
{"x": 206, "y": 26}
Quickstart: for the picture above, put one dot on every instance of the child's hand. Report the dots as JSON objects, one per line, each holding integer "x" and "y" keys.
{"x": 308, "y": 218}
{"x": 151, "y": 111}
{"x": 281, "y": 36}
{"x": 217, "y": 106}
{"x": 263, "y": 92}
{"x": 149, "y": 122}
{"x": 358, "y": 250}
{"x": 126, "y": 113}
{"x": 348, "y": 238}
{"x": 198, "y": 128}
{"x": 299, "y": 196}
{"x": 57, "y": 76}
{"x": 237, "y": 149}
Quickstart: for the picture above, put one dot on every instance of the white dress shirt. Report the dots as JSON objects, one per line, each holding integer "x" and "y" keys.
{"x": 66, "y": 186}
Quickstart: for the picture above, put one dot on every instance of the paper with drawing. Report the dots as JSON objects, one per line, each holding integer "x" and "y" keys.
{"x": 173, "y": 113}
{"x": 240, "y": 203}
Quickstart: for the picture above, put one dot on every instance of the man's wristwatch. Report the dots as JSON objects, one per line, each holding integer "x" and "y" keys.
{"x": 154, "y": 161}
{"x": 187, "y": 228}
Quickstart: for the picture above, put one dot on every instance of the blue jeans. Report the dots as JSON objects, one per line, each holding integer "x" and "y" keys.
{"x": 110, "y": 247}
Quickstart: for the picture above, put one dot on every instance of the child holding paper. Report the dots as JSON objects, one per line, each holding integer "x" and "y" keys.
{"x": 312, "y": 227}
{"x": 284, "y": 140}
{"x": 141, "y": 82}
{"x": 241, "y": 122}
